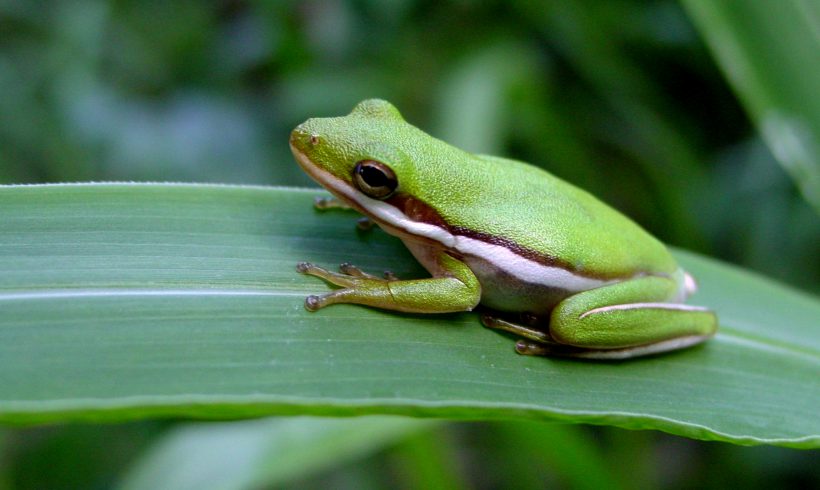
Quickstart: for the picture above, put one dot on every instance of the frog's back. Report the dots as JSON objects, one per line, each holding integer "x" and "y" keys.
{"x": 543, "y": 216}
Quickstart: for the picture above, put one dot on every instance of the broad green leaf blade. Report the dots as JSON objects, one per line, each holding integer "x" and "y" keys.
{"x": 124, "y": 300}
{"x": 261, "y": 453}
{"x": 770, "y": 52}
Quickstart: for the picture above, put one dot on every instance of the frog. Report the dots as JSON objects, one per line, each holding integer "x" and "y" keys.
{"x": 543, "y": 260}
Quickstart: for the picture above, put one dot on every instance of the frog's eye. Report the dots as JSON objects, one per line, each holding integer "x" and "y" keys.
{"x": 375, "y": 179}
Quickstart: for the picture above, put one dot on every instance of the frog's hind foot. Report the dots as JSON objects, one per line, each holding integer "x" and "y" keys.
{"x": 554, "y": 349}
{"x": 529, "y": 331}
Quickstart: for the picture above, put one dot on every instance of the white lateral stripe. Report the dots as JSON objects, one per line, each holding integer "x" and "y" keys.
{"x": 525, "y": 269}
{"x": 641, "y": 306}
{"x": 503, "y": 258}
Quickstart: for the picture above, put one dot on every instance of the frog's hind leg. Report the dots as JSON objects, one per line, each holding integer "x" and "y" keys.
{"x": 628, "y": 319}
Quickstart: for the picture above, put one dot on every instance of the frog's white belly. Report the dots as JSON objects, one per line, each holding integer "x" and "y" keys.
{"x": 519, "y": 285}
{"x": 503, "y": 291}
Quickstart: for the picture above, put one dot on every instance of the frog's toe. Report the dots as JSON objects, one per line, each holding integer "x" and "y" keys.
{"x": 304, "y": 267}
{"x": 313, "y": 302}
{"x": 531, "y": 348}
{"x": 343, "y": 280}
{"x": 352, "y": 270}
{"x": 364, "y": 224}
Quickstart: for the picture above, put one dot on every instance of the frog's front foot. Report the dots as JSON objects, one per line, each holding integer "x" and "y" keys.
{"x": 325, "y": 203}
{"x": 364, "y": 224}
{"x": 350, "y": 278}
{"x": 457, "y": 290}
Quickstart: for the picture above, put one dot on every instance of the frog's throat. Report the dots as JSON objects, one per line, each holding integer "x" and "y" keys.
{"x": 503, "y": 257}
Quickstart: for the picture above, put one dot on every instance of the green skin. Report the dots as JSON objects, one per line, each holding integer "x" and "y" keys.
{"x": 548, "y": 261}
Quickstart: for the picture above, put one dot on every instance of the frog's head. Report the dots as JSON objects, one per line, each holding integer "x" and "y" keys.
{"x": 358, "y": 156}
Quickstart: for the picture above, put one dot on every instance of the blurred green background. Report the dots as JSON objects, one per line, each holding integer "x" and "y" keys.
{"x": 622, "y": 98}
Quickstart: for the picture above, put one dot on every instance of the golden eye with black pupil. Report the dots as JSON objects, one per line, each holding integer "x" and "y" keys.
{"x": 375, "y": 179}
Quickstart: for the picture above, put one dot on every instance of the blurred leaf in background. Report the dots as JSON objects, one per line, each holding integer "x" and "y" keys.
{"x": 620, "y": 97}
{"x": 772, "y": 59}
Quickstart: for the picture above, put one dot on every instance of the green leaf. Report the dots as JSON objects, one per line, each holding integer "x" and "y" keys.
{"x": 122, "y": 301}
{"x": 771, "y": 55}
{"x": 261, "y": 453}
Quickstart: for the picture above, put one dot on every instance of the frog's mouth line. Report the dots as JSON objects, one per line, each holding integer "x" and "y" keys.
{"x": 335, "y": 185}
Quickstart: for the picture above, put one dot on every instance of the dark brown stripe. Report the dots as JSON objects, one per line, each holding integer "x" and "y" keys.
{"x": 417, "y": 210}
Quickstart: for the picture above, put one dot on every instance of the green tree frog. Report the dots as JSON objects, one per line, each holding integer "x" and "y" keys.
{"x": 547, "y": 261}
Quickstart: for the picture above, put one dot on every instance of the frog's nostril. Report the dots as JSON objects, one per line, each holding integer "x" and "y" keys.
{"x": 298, "y": 136}
{"x": 303, "y": 137}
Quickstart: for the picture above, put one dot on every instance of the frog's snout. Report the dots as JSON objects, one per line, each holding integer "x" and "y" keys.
{"x": 299, "y": 137}
{"x": 303, "y": 137}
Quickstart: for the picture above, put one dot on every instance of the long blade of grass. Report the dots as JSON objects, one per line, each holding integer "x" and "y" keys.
{"x": 121, "y": 301}
{"x": 770, "y": 52}
{"x": 261, "y": 453}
